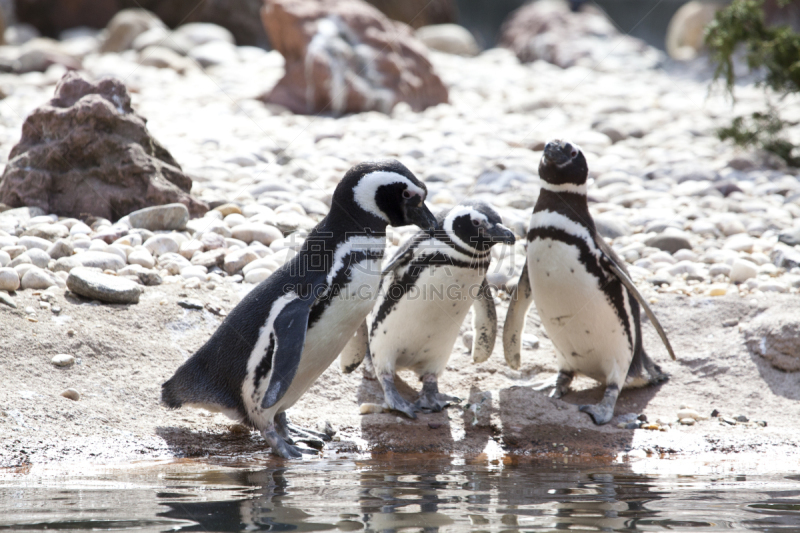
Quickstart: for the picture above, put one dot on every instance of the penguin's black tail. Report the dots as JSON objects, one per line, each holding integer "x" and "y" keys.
{"x": 170, "y": 396}
{"x": 194, "y": 383}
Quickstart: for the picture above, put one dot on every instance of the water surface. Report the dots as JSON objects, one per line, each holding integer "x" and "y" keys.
{"x": 409, "y": 493}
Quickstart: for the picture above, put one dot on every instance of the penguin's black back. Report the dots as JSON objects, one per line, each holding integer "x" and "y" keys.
{"x": 215, "y": 373}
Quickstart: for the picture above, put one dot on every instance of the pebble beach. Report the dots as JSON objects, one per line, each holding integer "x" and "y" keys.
{"x": 693, "y": 217}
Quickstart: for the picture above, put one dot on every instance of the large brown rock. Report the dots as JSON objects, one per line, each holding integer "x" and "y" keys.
{"x": 87, "y": 152}
{"x": 548, "y": 30}
{"x": 345, "y": 56}
{"x": 51, "y": 17}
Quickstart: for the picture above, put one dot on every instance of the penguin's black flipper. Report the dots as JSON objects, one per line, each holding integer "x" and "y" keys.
{"x": 484, "y": 323}
{"x": 355, "y": 350}
{"x": 521, "y": 300}
{"x": 289, "y": 330}
{"x": 614, "y": 264}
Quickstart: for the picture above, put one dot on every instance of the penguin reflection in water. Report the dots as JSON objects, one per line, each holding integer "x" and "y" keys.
{"x": 430, "y": 284}
{"x": 585, "y": 298}
{"x": 277, "y": 341}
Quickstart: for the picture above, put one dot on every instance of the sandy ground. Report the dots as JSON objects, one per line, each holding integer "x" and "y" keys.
{"x": 124, "y": 353}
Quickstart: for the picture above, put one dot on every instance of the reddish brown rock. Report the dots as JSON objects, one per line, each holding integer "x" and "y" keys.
{"x": 51, "y": 17}
{"x": 345, "y": 56}
{"x": 87, "y": 152}
{"x": 550, "y": 31}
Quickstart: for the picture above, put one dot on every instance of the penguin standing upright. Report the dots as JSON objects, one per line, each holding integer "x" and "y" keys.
{"x": 585, "y": 298}
{"x": 428, "y": 289}
{"x": 278, "y": 340}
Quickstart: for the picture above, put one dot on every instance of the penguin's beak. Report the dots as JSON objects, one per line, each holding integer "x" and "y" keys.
{"x": 501, "y": 234}
{"x": 421, "y": 216}
{"x": 557, "y": 152}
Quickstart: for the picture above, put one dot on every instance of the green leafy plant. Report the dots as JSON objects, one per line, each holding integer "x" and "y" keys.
{"x": 776, "y": 50}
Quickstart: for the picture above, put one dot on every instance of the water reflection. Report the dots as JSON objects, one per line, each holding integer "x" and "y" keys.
{"x": 410, "y": 494}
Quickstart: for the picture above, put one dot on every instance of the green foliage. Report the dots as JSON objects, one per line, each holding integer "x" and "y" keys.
{"x": 776, "y": 50}
{"x": 761, "y": 130}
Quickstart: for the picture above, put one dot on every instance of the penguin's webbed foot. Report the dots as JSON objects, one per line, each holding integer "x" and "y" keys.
{"x": 603, "y": 412}
{"x": 430, "y": 399}
{"x": 398, "y": 403}
{"x": 314, "y": 439}
{"x": 434, "y": 403}
{"x": 393, "y": 400}
{"x": 281, "y": 448}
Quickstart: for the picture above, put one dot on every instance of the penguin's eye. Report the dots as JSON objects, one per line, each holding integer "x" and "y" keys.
{"x": 476, "y": 223}
{"x": 574, "y": 153}
{"x": 407, "y": 194}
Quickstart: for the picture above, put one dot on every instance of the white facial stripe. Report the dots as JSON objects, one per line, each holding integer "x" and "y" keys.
{"x": 456, "y": 212}
{"x": 565, "y": 187}
{"x": 364, "y": 192}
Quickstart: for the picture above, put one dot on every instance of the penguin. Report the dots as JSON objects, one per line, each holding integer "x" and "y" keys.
{"x": 429, "y": 286}
{"x": 277, "y": 341}
{"x": 586, "y": 300}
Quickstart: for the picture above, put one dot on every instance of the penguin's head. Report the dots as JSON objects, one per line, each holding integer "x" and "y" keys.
{"x": 475, "y": 225}
{"x": 563, "y": 163}
{"x": 384, "y": 192}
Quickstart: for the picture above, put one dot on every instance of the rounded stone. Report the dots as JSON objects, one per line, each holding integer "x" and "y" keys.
{"x": 31, "y": 242}
{"x": 103, "y": 287}
{"x": 37, "y": 279}
{"x": 252, "y": 231}
{"x": 5, "y": 259}
{"x": 257, "y": 275}
{"x": 191, "y": 247}
{"x": 719, "y": 269}
{"x": 264, "y": 262}
{"x": 101, "y": 260}
{"x": 141, "y": 257}
{"x": 39, "y": 258}
{"x": 71, "y": 394}
{"x": 60, "y": 248}
{"x": 162, "y": 244}
{"x": 237, "y": 260}
{"x": 160, "y": 217}
{"x": 669, "y": 242}
{"x": 742, "y": 270}
{"x": 21, "y": 259}
{"x": 63, "y": 359}
{"x": 9, "y": 279}
{"x": 195, "y": 271}
{"x": 228, "y": 209}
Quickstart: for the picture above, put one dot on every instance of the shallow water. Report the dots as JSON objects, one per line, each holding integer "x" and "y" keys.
{"x": 410, "y": 493}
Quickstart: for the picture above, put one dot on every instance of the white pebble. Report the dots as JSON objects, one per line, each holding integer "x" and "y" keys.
{"x": 141, "y": 257}
{"x": 257, "y": 275}
{"x": 742, "y": 270}
{"x": 63, "y": 359}
{"x": 9, "y": 279}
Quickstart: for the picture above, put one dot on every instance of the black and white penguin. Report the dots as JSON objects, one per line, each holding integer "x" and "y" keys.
{"x": 586, "y": 300}
{"x": 429, "y": 286}
{"x": 278, "y": 340}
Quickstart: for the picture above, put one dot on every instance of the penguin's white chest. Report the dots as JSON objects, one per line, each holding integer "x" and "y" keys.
{"x": 577, "y": 314}
{"x": 421, "y": 329}
{"x": 335, "y": 327}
